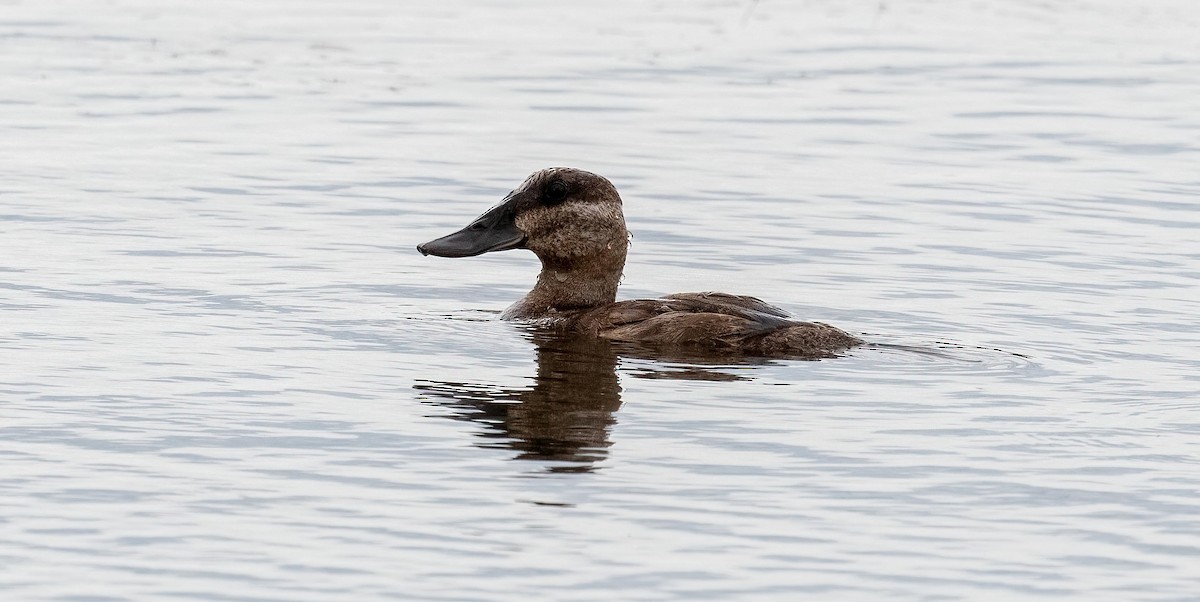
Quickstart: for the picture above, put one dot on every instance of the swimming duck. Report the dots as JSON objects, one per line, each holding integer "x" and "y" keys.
{"x": 572, "y": 220}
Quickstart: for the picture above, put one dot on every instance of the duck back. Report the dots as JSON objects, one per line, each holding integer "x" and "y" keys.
{"x": 716, "y": 321}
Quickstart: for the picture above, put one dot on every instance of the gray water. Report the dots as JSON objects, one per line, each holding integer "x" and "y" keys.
{"x": 225, "y": 374}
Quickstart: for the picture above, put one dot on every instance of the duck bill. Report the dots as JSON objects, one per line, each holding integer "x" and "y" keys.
{"x": 495, "y": 230}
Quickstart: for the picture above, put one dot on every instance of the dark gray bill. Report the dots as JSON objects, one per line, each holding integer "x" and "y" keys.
{"x": 495, "y": 230}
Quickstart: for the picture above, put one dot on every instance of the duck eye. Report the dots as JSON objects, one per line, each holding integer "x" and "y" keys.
{"x": 555, "y": 192}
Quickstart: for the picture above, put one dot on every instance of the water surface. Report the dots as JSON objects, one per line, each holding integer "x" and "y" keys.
{"x": 227, "y": 375}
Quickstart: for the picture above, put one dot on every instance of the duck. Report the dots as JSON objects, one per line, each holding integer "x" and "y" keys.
{"x": 572, "y": 220}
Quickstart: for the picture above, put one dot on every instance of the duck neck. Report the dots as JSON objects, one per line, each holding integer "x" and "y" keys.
{"x": 567, "y": 286}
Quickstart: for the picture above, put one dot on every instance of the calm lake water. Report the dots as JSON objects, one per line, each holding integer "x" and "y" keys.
{"x": 225, "y": 373}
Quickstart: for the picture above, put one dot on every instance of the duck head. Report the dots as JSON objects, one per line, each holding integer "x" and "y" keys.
{"x": 571, "y": 219}
{"x": 561, "y": 214}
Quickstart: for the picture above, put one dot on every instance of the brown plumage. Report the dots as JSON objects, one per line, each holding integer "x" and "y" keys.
{"x": 572, "y": 220}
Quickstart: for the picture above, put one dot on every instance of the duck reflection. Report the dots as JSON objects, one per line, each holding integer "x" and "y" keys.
{"x": 567, "y": 414}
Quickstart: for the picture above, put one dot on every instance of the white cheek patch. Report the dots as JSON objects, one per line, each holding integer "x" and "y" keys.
{"x": 573, "y": 229}
{"x": 571, "y": 215}
{"x": 591, "y": 212}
